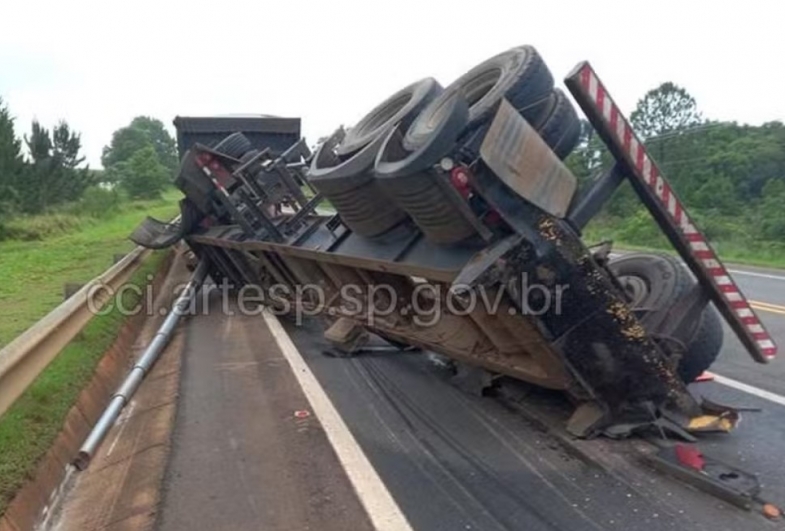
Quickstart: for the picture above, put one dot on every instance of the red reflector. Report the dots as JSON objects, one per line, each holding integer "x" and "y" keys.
{"x": 459, "y": 177}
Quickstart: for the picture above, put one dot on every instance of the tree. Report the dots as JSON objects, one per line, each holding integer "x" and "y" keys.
{"x": 11, "y": 163}
{"x": 125, "y": 142}
{"x": 590, "y": 153}
{"x": 773, "y": 222}
{"x": 663, "y": 114}
{"x": 142, "y": 176}
{"x": 165, "y": 146}
{"x": 666, "y": 109}
{"x": 66, "y": 145}
{"x": 53, "y": 175}
{"x": 35, "y": 189}
{"x": 141, "y": 133}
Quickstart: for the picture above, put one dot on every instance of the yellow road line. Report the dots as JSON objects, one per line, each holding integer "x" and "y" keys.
{"x": 767, "y": 307}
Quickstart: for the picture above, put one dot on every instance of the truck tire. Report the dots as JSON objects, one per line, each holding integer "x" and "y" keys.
{"x": 408, "y": 176}
{"x": 352, "y": 189}
{"x": 400, "y": 108}
{"x": 558, "y": 125}
{"x": 450, "y": 109}
{"x": 235, "y": 145}
{"x": 655, "y": 282}
{"x": 519, "y": 75}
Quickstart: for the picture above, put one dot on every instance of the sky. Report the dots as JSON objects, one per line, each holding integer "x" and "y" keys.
{"x": 97, "y": 64}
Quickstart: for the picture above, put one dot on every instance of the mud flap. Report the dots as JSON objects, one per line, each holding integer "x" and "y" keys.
{"x": 155, "y": 234}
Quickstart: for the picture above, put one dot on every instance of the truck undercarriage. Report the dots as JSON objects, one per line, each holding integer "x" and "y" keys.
{"x": 445, "y": 220}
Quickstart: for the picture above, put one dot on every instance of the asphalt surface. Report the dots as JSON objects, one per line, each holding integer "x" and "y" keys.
{"x": 246, "y": 452}
{"x": 482, "y": 466}
{"x": 767, "y": 287}
{"x": 455, "y": 461}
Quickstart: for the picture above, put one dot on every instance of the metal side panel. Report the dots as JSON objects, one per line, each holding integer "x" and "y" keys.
{"x": 409, "y": 256}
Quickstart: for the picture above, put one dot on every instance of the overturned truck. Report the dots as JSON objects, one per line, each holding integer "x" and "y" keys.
{"x": 446, "y": 220}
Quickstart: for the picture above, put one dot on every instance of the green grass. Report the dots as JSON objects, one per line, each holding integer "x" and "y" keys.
{"x": 29, "y": 428}
{"x": 731, "y": 250}
{"x": 33, "y": 272}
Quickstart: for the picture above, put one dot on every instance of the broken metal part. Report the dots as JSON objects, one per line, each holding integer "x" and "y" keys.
{"x": 588, "y": 420}
{"x": 155, "y": 234}
{"x": 711, "y": 420}
{"x": 712, "y": 423}
{"x": 712, "y": 407}
{"x": 346, "y": 336}
{"x": 662, "y": 426}
{"x": 595, "y": 197}
{"x": 710, "y": 475}
{"x": 602, "y": 252}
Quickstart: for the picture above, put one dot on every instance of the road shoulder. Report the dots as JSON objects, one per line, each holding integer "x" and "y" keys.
{"x": 248, "y": 451}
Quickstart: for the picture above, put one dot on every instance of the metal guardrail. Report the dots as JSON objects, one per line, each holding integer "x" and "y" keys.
{"x": 22, "y": 360}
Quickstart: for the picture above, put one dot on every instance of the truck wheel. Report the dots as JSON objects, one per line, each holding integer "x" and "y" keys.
{"x": 400, "y": 108}
{"x": 446, "y": 116}
{"x": 407, "y": 176}
{"x": 559, "y": 125}
{"x": 235, "y": 145}
{"x": 704, "y": 347}
{"x": 520, "y": 75}
{"x": 351, "y": 188}
{"x": 655, "y": 282}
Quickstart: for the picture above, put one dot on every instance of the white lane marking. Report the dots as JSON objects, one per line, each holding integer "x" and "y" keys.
{"x": 761, "y": 393}
{"x": 750, "y": 273}
{"x": 373, "y": 494}
{"x": 734, "y": 271}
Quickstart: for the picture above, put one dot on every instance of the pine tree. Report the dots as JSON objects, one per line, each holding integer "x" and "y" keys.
{"x": 11, "y": 164}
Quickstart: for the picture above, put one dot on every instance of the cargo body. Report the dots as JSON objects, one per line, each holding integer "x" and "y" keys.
{"x": 446, "y": 220}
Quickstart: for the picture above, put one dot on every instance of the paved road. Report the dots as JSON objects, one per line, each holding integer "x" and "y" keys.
{"x": 451, "y": 460}
{"x": 481, "y": 466}
{"x": 763, "y": 288}
{"x": 243, "y": 457}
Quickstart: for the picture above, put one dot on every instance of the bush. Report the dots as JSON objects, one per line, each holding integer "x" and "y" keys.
{"x": 641, "y": 229}
{"x": 99, "y": 202}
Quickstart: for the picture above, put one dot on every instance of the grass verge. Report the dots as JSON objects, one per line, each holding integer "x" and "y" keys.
{"x": 29, "y": 428}
{"x": 748, "y": 253}
{"x": 33, "y": 272}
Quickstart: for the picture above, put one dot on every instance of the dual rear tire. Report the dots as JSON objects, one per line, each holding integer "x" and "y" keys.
{"x": 341, "y": 170}
{"x": 655, "y": 283}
